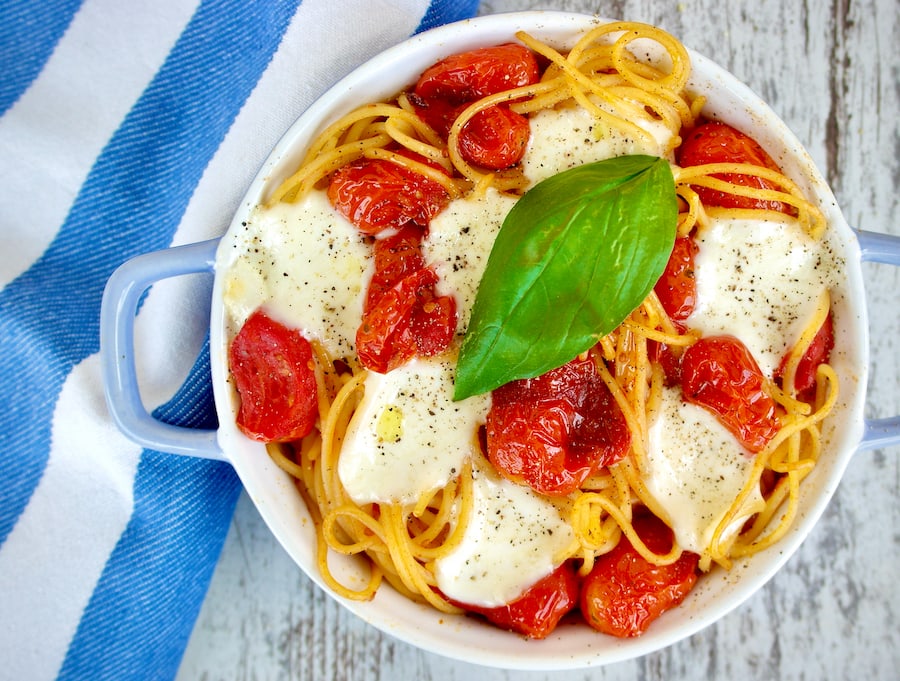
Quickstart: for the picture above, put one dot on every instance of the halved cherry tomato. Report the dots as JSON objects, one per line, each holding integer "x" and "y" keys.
{"x": 819, "y": 351}
{"x": 433, "y": 323}
{"x": 272, "y": 370}
{"x": 478, "y": 73}
{"x": 376, "y": 194}
{"x": 536, "y": 612}
{"x": 624, "y": 593}
{"x": 668, "y": 358}
{"x": 408, "y": 320}
{"x": 553, "y": 431}
{"x": 495, "y": 138}
{"x": 717, "y": 142}
{"x": 720, "y": 374}
{"x": 677, "y": 288}
{"x": 396, "y": 256}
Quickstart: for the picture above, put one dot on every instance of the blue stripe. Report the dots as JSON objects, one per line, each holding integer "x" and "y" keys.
{"x": 446, "y": 11}
{"x": 140, "y": 617}
{"x": 131, "y": 203}
{"x": 29, "y": 32}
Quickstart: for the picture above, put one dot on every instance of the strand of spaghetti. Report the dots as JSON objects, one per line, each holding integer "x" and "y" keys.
{"x": 433, "y": 174}
{"x": 778, "y": 494}
{"x": 295, "y": 186}
{"x": 461, "y": 504}
{"x": 696, "y": 214}
{"x": 434, "y": 153}
{"x": 579, "y": 82}
{"x": 789, "y": 375}
{"x": 675, "y": 81}
{"x": 638, "y": 449}
{"x": 463, "y": 166}
{"x": 331, "y": 483}
{"x": 643, "y": 80}
{"x": 331, "y": 136}
{"x": 628, "y": 530}
{"x": 416, "y": 577}
{"x": 359, "y": 541}
{"x": 761, "y": 459}
{"x": 543, "y": 95}
{"x": 809, "y": 215}
{"x": 667, "y": 338}
{"x": 642, "y": 494}
{"x": 276, "y": 453}
{"x": 791, "y": 404}
{"x": 595, "y": 532}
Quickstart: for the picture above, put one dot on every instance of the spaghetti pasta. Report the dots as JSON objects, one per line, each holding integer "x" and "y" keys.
{"x": 404, "y": 541}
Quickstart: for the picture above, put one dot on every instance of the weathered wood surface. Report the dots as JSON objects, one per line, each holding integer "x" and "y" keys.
{"x": 830, "y": 69}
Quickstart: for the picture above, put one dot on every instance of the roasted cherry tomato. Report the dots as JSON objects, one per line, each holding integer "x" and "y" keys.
{"x": 720, "y": 374}
{"x": 396, "y": 257}
{"x": 716, "y": 142}
{"x": 376, "y": 194}
{"x": 494, "y": 138}
{"x": 478, "y": 73}
{"x": 433, "y": 323}
{"x": 818, "y": 352}
{"x": 677, "y": 288}
{"x": 272, "y": 370}
{"x": 536, "y": 612}
{"x": 669, "y": 359}
{"x": 408, "y": 320}
{"x": 624, "y": 593}
{"x": 553, "y": 431}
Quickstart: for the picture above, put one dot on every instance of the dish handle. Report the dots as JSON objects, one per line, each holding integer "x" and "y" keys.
{"x": 118, "y": 310}
{"x": 881, "y": 248}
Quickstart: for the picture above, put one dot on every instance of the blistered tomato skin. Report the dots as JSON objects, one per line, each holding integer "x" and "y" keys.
{"x": 818, "y": 352}
{"x": 376, "y": 194}
{"x": 478, "y": 73}
{"x": 537, "y": 612}
{"x": 396, "y": 257}
{"x": 495, "y": 138}
{"x": 624, "y": 594}
{"x": 720, "y": 374}
{"x": 717, "y": 142}
{"x": 553, "y": 431}
{"x": 272, "y": 370}
{"x": 677, "y": 287}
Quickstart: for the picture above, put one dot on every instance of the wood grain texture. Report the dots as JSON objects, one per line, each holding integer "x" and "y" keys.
{"x": 830, "y": 70}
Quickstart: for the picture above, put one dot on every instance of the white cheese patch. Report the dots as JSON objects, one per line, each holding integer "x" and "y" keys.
{"x": 572, "y": 136}
{"x": 759, "y": 281}
{"x": 458, "y": 244}
{"x": 513, "y": 539}
{"x": 408, "y": 436}
{"x": 696, "y": 469}
{"x": 310, "y": 268}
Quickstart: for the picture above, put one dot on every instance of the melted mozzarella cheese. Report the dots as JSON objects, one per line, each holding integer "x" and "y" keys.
{"x": 458, "y": 244}
{"x": 514, "y": 538}
{"x": 696, "y": 469}
{"x": 759, "y": 281}
{"x": 408, "y": 436}
{"x": 310, "y": 268}
{"x": 569, "y": 137}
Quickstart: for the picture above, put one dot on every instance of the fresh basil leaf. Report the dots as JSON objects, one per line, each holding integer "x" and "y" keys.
{"x": 573, "y": 258}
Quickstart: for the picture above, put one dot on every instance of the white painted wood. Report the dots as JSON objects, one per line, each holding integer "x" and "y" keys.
{"x": 830, "y": 69}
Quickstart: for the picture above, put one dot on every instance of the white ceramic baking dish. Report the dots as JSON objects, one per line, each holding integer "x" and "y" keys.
{"x": 275, "y": 496}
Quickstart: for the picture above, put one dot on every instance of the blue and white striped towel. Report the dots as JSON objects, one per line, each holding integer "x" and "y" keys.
{"x": 128, "y": 127}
